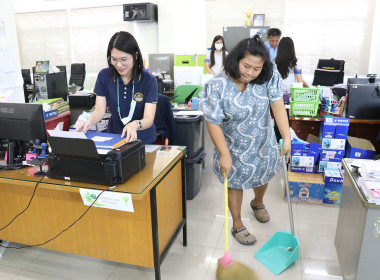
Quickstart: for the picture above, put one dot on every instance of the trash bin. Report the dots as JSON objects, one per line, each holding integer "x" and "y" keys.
{"x": 189, "y": 132}
{"x": 194, "y": 174}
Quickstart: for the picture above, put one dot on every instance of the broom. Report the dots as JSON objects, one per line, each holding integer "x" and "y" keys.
{"x": 229, "y": 269}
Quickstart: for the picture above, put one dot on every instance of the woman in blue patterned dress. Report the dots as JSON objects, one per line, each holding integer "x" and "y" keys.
{"x": 236, "y": 104}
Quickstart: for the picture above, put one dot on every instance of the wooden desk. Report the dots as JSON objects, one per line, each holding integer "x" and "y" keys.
{"x": 367, "y": 129}
{"x": 141, "y": 238}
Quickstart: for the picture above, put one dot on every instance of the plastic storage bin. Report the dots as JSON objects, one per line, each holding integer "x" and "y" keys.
{"x": 304, "y": 101}
{"x": 189, "y": 133}
{"x": 194, "y": 174}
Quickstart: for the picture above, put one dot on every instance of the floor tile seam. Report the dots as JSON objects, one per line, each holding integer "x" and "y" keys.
{"x": 116, "y": 266}
{"x": 47, "y": 274}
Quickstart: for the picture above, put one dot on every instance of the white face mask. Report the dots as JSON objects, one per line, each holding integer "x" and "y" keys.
{"x": 218, "y": 46}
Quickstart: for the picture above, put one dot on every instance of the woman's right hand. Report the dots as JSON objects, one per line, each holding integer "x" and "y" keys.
{"x": 83, "y": 126}
{"x": 225, "y": 163}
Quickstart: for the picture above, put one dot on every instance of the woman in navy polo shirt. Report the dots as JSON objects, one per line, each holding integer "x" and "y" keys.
{"x": 128, "y": 90}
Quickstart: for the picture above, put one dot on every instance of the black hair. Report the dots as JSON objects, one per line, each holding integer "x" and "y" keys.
{"x": 125, "y": 42}
{"x": 286, "y": 57}
{"x": 273, "y": 32}
{"x": 212, "y": 58}
{"x": 250, "y": 46}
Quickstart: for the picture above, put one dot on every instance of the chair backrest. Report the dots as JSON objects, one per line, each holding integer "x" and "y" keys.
{"x": 78, "y": 74}
{"x": 183, "y": 91}
{"x": 164, "y": 120}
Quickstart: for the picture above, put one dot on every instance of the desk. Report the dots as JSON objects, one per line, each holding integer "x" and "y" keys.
{"x": 356, "y": 243}
{"x": 141, "y": 238}
{"x": 367, "y": 129}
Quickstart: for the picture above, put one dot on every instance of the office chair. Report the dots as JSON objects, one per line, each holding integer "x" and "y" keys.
{"x": 164, "y": 121}
{"x": 78, "y": 74}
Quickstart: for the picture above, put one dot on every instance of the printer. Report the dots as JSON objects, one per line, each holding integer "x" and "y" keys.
{"x": 78, "y": 160}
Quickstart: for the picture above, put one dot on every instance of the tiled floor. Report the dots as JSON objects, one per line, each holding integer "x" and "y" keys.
{"x": 314, "y": 224}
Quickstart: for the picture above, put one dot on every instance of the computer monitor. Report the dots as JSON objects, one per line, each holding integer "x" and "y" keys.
{"x": 26, "y": 76}
{"x": 19, "y": 124}
{"x": 360, "y": 81}
{"x": 363, "y": 101}
{"x": 56, "y": 85}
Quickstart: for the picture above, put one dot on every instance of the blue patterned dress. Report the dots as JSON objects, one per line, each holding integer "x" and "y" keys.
{"x": 247, "y": 126}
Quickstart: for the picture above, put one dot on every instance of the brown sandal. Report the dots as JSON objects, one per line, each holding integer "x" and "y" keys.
{"x": 243, "y": 236}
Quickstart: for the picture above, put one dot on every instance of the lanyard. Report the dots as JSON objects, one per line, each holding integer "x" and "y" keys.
{"x": 132, "y": 106}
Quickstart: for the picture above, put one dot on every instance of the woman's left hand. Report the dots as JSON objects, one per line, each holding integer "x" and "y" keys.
{"x": 131, "y": 131}
{"x": 286, "y": 148}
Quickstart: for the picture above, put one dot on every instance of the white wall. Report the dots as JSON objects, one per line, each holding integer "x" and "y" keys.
{"x": 374, "y": 58}
{"x": 8, "y": 42}
{"x": 343, "y": 29}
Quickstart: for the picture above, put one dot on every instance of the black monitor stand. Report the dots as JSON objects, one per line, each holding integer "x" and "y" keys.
{"x": 11, "y": 165}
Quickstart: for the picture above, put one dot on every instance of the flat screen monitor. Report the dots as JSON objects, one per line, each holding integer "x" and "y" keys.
{"x": 20, "y": 123}
{"x": 363, "y": 101}
{"x": 26, "y": 76}
{"x": 360, "y": 81}
{"x": 56, "y": 85}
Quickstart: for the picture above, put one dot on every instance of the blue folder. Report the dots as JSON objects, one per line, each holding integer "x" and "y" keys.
{"x": 115, "y": 138}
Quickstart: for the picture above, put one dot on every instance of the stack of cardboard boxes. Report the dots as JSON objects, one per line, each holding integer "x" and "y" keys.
{"x": 321, "y": 158}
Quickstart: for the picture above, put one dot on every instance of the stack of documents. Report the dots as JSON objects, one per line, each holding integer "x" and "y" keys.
{"x": 370, "y": 179}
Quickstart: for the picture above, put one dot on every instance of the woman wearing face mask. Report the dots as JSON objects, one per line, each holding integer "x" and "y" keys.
{"x": 215, "y": 57}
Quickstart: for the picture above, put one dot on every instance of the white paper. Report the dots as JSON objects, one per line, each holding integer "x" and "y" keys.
{"x": 151, "y": 148}
{"x": 67, "y": 134}
{"x": 100, "y": 138}
{"x": 110, "y": 200}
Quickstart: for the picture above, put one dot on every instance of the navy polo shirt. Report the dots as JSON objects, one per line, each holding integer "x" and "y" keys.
{"x": 145, "y": 91}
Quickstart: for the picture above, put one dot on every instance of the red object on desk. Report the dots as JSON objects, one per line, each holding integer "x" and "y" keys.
{"x": 53, "y": 122}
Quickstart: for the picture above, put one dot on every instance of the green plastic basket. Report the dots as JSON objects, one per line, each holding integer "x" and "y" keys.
{"x": 304, "y": 108}
{"x": 305, "y": 94}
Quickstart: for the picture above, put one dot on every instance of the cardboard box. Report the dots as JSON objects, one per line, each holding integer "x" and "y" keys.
{"x": 359, "y": 148}
{"x": 333, "y": 186}
{"x": 306, "y": 188}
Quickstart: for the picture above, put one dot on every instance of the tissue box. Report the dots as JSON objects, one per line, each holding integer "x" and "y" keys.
{"x": 335, "y": 128}
{"x": 337, "y": 144}
{"x": 307, "y": 188}
{"x": 303, "y": 161}
{"x": 333, "y": 186}
{"x": 329, "y": 164}
{"x": 314, "y": 151}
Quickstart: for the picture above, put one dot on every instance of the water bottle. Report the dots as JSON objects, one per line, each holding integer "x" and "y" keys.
{"x": 195, "y": 103}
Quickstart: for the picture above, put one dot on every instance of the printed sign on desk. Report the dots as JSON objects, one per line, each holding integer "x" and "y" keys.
{"x": 109, "y": 200}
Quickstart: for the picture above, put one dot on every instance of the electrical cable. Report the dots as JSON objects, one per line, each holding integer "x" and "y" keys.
{"x": 51, "y": 239}
{"x": 30, "y": 201}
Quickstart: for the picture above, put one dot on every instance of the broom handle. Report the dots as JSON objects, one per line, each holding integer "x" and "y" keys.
{"x": 287, "y": 190}
{"x": 226, "y": 214}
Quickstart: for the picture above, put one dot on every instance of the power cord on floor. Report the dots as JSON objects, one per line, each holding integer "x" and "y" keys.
{"x": 51, "y": 239}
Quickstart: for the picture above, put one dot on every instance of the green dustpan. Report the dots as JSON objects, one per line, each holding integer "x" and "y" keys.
{"x": 282, "y": 249}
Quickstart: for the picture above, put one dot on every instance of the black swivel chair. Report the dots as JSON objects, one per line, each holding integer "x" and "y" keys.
{"x": 78, "y": 74}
